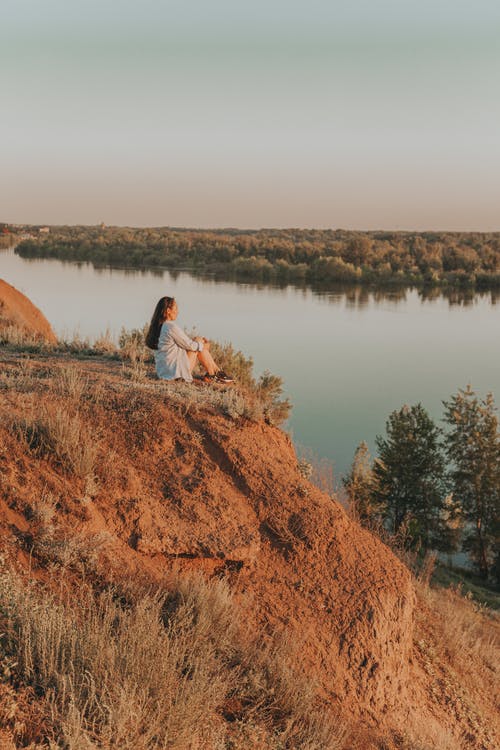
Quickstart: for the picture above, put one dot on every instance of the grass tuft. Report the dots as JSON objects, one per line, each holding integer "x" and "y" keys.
{"x": 58, "y": 435}
{"x": 69, "y": 381}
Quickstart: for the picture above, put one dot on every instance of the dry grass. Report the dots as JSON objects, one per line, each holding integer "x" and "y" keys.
{"x": 18, "y": 337}
{"x": 116, "y": 675}
{"x": 148, "y": 670}
{"x": 76, "y": 551}
{"x": 427, "y": 568}
{"x": 278, "y": 690}
{"x": 186, "y": 397}
{"x": 281, "y": 528}
{"x": 458, "y": 642}
{"x": 432, "y": 736}
{"x": 56, "y": 547}
{"x": 57, "y": 434}
{"x": 105, "y": 343}
{"x": 136, "y": 368}
{"x": 18, "y": 378}
{"x": 70, "y": 381}
{"x": 319, "y": 471}
{"x": 136, "y": 357}
{"x": 470, "y": 632}
{"x": 44, "y": 510}
{"x": 250, "y": 398}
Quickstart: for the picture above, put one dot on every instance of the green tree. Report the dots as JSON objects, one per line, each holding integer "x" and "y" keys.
{"x": 409, "y": 473}
{"x": 473, "y": 449}
{"x": 357, "y": 250}
{"x": 360, "y": 486}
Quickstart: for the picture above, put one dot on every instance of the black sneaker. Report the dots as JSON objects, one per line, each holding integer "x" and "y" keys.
{"x": 223, "y": 377}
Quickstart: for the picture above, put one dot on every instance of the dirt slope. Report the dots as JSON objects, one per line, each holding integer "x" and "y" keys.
{"x": 179, "y": 485}
{"x": 17, "y": 310}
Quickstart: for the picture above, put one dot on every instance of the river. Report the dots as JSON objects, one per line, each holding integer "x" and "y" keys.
{"x": 348, "y": 357}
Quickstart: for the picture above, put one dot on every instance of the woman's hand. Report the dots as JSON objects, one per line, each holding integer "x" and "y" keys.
{"x": 205, "y": 342}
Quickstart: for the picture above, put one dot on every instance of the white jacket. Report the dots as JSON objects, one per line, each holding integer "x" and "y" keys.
{"x": 171, "y": 356}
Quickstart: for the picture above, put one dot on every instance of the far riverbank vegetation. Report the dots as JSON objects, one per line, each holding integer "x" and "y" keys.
{"x": 463, "y": 260}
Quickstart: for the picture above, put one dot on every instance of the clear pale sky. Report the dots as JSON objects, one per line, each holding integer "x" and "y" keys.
{"x": 359, "y": 114}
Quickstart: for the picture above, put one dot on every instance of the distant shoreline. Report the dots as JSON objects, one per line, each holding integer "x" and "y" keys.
{"x": 398, "y": 259}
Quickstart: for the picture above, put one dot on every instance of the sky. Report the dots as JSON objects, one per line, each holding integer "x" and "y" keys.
{"x": 355, "y": 114}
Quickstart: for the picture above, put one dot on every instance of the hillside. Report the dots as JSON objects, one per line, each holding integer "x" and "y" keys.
{"x": 18, "y": 312}
{"x": 119, "y": 480}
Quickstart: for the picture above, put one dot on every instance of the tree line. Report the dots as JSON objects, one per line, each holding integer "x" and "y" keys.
{"x": 441, "y": 486}
{"x": 454, "y": 259}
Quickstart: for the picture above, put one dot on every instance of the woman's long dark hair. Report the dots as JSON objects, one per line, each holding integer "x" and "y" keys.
{"x": 157, "y": 321}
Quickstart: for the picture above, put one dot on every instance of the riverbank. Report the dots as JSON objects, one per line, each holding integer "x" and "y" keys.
{"x": 400, "y": 259}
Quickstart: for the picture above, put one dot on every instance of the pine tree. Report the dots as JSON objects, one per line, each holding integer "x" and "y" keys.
{"x": 473, "y": 449}
{"x": 409, "y": 472}
{"x": 360, "y": 486}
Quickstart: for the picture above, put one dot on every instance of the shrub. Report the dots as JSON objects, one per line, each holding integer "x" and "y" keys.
{"x": 235, "y": 362}
{"x": 305, "y": 468}
{"x": 132, "y": 339}
{"x": 234, "y": 403}
{"x": 133, "y": 350}
{"x": 104, "y": 343}
{"x": 77, "y": 551}
{"x": 44, "y": 510}
{"x": 254, "y": 399}
{"x": 269, "y": 390}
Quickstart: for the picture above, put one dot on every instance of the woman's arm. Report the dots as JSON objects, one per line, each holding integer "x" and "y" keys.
{"x": 183, "y": 340}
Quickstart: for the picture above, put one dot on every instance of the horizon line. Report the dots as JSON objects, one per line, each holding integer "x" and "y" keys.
{"x": 253, "y": 229}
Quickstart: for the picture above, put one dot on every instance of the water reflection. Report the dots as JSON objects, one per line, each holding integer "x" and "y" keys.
{"x": 355, "y": 296}
{"x": 460, "y": 297}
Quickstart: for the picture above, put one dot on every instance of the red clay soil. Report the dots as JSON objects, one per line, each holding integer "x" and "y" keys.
{"x": 188, "y": 488}
{"x": 17, "y": 310}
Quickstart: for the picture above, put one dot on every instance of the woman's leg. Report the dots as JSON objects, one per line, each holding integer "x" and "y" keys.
{"x": 205, "y": 359}
{"x": 192, "y": 358}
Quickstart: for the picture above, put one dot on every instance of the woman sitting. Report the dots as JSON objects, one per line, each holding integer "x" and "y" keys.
{"x": 175, "y": 353}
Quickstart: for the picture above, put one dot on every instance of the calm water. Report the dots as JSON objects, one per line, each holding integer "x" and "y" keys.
{"x": 347, "y": 358}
